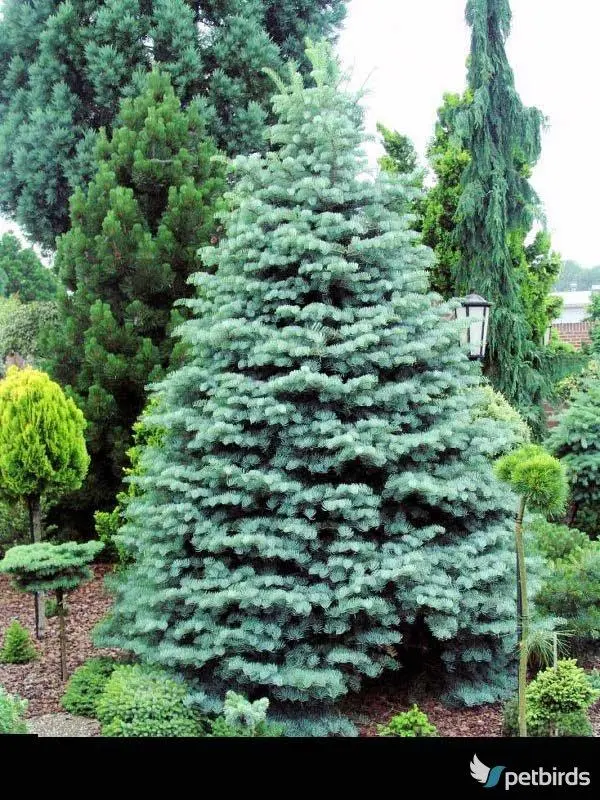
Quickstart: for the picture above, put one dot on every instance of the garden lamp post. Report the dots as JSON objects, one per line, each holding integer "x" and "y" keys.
{"x": 477, "y": 310}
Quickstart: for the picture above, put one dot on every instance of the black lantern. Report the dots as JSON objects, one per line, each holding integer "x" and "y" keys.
{"x": 474, "y": 337}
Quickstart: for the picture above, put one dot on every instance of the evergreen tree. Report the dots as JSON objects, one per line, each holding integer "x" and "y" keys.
{"x": 400, "y": 154}
{"x": 22, "y": 272}
{"x": 541, "y": 268}
{"x": 65, "y": 65}
{"x": 576, "y": 441}
{"x": 23, "y": 328}
{"x": 400, "y": 158}
{"x": 497, "y": 201}
{"x": 42, "y": 447}
{"x": 448, "y": 160}
{"x": 132, "y": 245}
{"x": 320, "y": 490}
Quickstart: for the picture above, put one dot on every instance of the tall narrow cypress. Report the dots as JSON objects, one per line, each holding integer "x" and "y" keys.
{"x": 503, "y": 140}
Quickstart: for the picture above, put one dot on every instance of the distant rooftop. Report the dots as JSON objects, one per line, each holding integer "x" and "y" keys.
{"x": 574, "y": 299}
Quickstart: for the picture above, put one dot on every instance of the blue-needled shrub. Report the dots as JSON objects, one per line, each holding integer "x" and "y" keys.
{"x": 12, "y": 709}
{"x": 242, "y": 718}
{"x": 86, "y": 685}
{"x": 321, "y": 487}
{"x": 145, "y": 702}
{"x": 409, "y": 723}
{"x": 594, "y": 679}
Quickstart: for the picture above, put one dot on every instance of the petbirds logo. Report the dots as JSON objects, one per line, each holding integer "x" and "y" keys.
{"x": 489, "y": 777}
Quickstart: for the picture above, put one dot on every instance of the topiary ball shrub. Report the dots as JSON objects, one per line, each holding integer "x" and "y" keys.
{"x": 409, "y": 723}
{"x": 18, "y": 647}
{"x": 140, "y": 701}
{"x": 557, "y": 703}
{"x": 242, "y": 718}
{"x": 86, "y": 685}
{"x": 12, "y": 709}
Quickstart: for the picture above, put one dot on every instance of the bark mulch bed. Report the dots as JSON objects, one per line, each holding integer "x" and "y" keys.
{"x": 39, "y": 681}
{"x": 378, "y": 703}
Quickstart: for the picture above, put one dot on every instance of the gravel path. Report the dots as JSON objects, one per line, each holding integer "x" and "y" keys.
{"x": 63, "y": 725}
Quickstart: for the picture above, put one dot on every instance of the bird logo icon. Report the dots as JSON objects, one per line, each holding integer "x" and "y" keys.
{"x": 489, "y": 777}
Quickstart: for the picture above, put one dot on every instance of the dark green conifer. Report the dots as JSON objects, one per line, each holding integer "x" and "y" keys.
{"x": 132, "y": 245}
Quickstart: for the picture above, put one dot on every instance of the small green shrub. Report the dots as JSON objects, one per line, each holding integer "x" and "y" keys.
{"x": 562, "y": 689}
{"x": 571, "y": 591}
{"x": 12, "y": 709}
{"x": 18, "y": 647}
{"x": 86, "y": 685}
{"x": 244, "y": 718}
{"x": 575, "y": 723}
{"x": 51, "y": 607}
{"x": 139, "y": 701}
{"x": 558, "y": 542}
{"x": 557, "y": 703}
{"x": 409, "y": 723}
{"x": 107, "y": 525}
{"x": 493, "y": 405}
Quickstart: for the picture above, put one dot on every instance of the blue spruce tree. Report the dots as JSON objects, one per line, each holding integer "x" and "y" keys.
{"x": 320, "y": 495}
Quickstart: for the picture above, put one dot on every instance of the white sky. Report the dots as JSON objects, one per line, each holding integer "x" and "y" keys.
{"x": 409, "y": 52}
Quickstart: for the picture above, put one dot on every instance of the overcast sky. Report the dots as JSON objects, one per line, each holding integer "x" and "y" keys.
{"x": 409, "y": 52}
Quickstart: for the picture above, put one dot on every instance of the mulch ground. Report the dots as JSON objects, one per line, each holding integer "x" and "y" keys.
{"x": 39, "y": 681}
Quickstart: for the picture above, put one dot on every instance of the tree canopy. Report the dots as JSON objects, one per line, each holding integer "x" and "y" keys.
{"x": 22, "y": 273}
{"x": 65, "y": 66}
{"x": 42, "y": 448}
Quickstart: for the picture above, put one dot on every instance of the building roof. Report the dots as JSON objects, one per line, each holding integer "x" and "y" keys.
{"x": 574, "y": 299}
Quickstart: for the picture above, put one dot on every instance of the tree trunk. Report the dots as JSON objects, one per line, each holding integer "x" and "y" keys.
{"x": 35, "y": 529}
{"x": 60, "y": 607}
{"x": 524, "y": 626}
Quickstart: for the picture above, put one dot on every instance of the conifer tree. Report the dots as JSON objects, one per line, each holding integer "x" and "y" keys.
{"x": 320, "y": 491}
{"x": 22, "y": 272}
{"x": 42, "y": 448}
{"x": 448, "y": 160}
{"x": 497, "y": 203}
{"x": 65, "y": 65}
{"x": 576, "y": 441}
{"x": 400, "y": 157}
{"x": 400, "y": 154}
{"x": 133, "y": 243}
